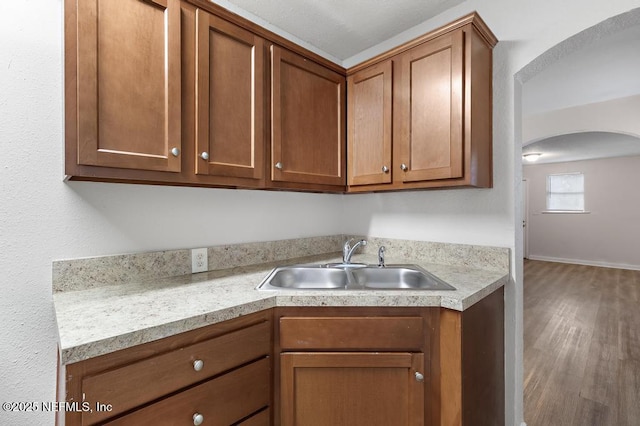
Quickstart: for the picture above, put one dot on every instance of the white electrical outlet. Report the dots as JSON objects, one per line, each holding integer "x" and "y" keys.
{"x": 199, "y": 262}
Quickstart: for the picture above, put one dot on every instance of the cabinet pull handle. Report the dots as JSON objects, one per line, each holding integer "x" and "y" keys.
{"x": 404, "y": 167}
{"x": 175, "y": 151}
{"x": 279, "y": 165}
{"x": 204, "y": 155}
{"x": 419, "y": 377}
{"x": 385, "y": 169}
{"x": 198, "y": 419}
{"x": 198, "y": 364}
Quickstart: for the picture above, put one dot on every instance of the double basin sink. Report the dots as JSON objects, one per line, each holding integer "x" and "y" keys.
{"x": 337, "y": 276}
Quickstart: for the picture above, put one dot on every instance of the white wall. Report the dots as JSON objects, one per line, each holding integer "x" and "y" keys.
{"x": 43, "y": 218}
{"x": 526, "y": 30}
{"x": 609, "y": 235}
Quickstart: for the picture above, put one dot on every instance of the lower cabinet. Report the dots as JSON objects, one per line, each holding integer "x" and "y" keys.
{"x": 379, "y": 366}
{"x": 469, "y": 365}
{"x": 353, "y": 388}
{"x": 218, "y": 402}
{"x": 216, "y": 375}
{"x": 352, "y": 366}
{"x": 307, "y": 366}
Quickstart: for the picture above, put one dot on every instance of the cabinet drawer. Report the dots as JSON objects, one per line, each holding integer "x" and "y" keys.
{"x": 221, "y": 401}
{"x": 162, "y": 374}
{"x": 263, "y": 418}
{"x": 347, "y": 333}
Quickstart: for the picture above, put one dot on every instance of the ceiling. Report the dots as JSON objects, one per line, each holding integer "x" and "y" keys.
{"x": 606, "y": 70}
{"x": 583, "y": 146}
{"x": 344, "y": 28}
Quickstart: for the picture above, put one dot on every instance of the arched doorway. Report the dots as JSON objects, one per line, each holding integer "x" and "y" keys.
{"x": 608, "y": 29}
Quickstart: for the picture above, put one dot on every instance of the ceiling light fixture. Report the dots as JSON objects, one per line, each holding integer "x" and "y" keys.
{"x": 531, "y": 157}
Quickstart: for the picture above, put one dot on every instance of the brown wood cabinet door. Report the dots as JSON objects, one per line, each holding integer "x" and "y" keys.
{"x": 356, "y": 389}
{"x": 229, "y": 99}
{"x": 369, "y": 123}
{"x": 128, "y": 84}
{"x": 429, "y": 125}
{"x": 307, "y": 121}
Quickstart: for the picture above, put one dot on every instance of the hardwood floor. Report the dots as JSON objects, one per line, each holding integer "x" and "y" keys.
{"x": 581, "y": 345}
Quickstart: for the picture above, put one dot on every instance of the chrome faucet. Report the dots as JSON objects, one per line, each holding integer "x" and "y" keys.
{"x": 347, "y": 250}
{"x": 381, "y": 257}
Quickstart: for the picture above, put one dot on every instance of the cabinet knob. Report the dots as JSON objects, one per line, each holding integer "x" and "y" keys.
{"x": 198, "y": 419}
{"x": 198, "y": 364}
{"x": 175, "y": 151}
{"x": 204, "y": 155}
{"x": 419, "y": 377}
{"x": 279, "y": 165}
{"x": 404, "y": 167}
{"x": 385, "y": 169}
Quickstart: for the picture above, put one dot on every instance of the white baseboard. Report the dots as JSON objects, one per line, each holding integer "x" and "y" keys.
{"x": 586, "y": 262}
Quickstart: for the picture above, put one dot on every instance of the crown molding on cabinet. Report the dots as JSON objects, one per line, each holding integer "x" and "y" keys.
{"x": 472, "y": 18}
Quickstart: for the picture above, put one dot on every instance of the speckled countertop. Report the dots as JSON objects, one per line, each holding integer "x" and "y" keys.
{"x": 100, "y": 320}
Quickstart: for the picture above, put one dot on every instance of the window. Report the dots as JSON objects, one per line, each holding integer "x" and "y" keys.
{"x": 565, "y": 192}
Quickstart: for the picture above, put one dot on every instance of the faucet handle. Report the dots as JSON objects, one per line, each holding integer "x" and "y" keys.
{"x": 345, "y": 250}
{"x": 381, "y": 256}
{"x": 347, "y": 246}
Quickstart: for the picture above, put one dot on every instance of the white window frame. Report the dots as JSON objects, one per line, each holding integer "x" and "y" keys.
{"x": 565, "y": 211}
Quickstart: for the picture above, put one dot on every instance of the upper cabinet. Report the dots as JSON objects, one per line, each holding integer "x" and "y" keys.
{"x": 430, "y": 110}
{"x": 184, "y": 92}
{"x": 370, "y": 125}
{"x": 123, "y": 84}
{"x": 441, "y": 113}
{"x": 230, "y": 71}
{"x": 307, "y": 122}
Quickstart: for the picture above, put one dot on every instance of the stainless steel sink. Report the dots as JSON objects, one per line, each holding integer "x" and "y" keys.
{"x": 307, "y": 277}
{"x": 398, "y": 277}
{"x": 352, "y": 277}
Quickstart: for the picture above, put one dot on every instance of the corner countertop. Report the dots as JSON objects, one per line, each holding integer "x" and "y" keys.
{"x": 101, "y": 320}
